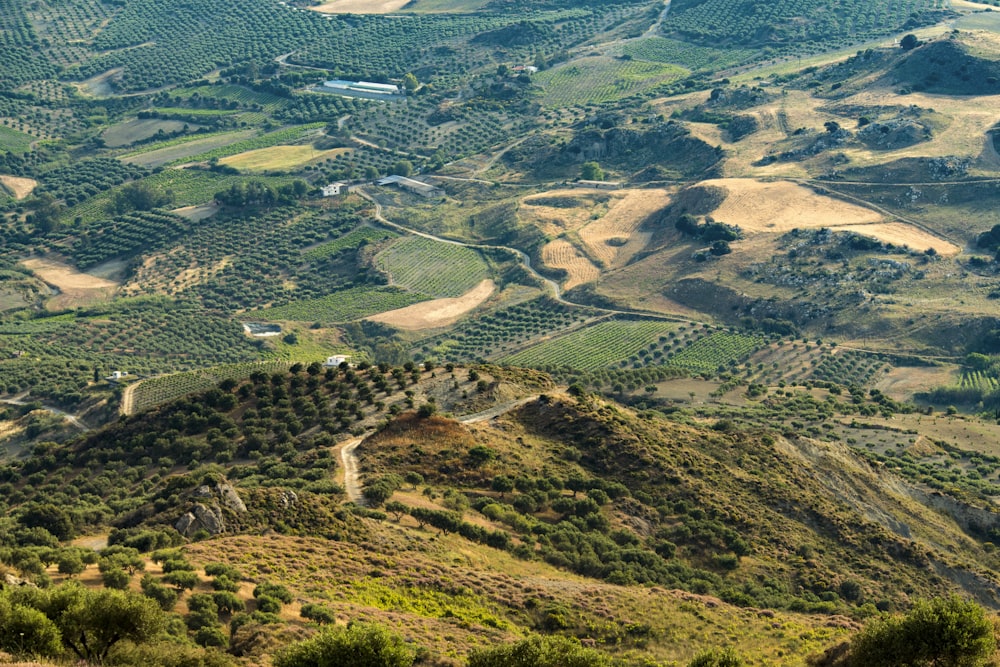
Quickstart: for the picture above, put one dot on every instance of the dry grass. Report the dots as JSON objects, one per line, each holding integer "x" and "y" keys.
{"x": 279, "y": 158}
{"x": 560, "y": 254}
{"x": 615, "y": 238}
{"x": 75, "y": 288}
{"x": 19, "y": 186}
{"x": 438, "y": 312}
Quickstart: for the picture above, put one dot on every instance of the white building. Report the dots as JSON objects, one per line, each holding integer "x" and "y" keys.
{"x": 416, "y": 187}
{"x": 334, "y": 189}
{"x": 336, "y": 360}
{"x": 117, "y": 375}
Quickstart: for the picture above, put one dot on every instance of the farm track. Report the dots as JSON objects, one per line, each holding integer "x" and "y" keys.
{"x": 71, "y": 418}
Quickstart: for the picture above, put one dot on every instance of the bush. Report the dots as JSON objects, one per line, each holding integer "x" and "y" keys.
{"x": 539, "y": 652}
{"x": 358, "y": 645}
{"x": 945, "y": 632}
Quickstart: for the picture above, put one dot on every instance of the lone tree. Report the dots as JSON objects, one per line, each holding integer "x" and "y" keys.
{"x": 943, "y": 632}
{"x": 591, "y": 171}
{"x": 909, "y": 42}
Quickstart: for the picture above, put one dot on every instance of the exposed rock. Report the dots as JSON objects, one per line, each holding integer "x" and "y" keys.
{"x": 288, "y": 499}
{"x": 209, "y": 515}
{"x": 895, "y": 133}
{"x": 230, "y": 498}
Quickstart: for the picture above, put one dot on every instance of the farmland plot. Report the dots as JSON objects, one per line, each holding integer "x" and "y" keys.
{"x": 599, "y": 79}
{"x": 560, "y": 254}
{"x": 432, "y": 268}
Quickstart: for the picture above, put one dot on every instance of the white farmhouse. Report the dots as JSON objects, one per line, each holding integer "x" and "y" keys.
{"x": 336, "y": 360}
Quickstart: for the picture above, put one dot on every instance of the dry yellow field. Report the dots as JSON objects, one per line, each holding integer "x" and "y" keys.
{"x": 75, "y": 288}
{"x": 899, "y": 233}
{"x": 360, "y": 6}
{"x": 278, "y": 158}
{"x": 18, "y": 186}
{"x": 759, "y": 206}
{"x": 560, "y": 254}
{"x": 615, "y": 238}
{"x": 578, "y": 208}
{"x": 437, "y": 312}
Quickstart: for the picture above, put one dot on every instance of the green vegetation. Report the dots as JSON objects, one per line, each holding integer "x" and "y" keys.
{"x": 598, "y": 346}
{"x": 691, "y": 56}
{"x": 431, "y": 268}
{"x": 349, "y": 241}
{"x": 603, "y": 80}
{"x": 716, "y": 351}
{"x": 165, "y": 388}
{"x": 345, "y": 306}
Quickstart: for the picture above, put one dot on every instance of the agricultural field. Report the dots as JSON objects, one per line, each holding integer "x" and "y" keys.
{"x": 431, "y": 268}
{"x": 157, "y": 154}
{"x": 350, "y": 241}
{"x": 150, "y": 392}
{"x": 503, "y": 330}
{"x": 131, "y": 131}
{"x": 280, "y": 158}
{"x": 716, "y": 352}
{"x": 601, "y": 345}
{"x": 596, "y": 80}
{"x": 343, "y": 306}
{"x": 15, "y": 142}
{"x": 690, "y": 56}
{"x": 283, "y": 136}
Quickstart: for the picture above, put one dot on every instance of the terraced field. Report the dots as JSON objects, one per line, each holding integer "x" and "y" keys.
{"x": 344, "y": 306}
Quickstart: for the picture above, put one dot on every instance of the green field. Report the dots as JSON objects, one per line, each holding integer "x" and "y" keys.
{"x": 596, "y": 80}
{"x": 165, "y": 388}
{"x": 344, "y": 306}
{"x": 599, "y": 346}
{"x": 14, "y": 141}
{"x": 691, "y": 56}
{"x": 131, "y": 131}
{"x": 283, "y": 136}
{"x": 707, "y": 354}
{"x": 433, "y": 268}
{"x": 352, "y": 239}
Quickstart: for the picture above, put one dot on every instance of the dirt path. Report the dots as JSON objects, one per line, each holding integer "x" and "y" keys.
{"x": 71, "y": 418}
{"x": 128, "y": 398}
{"x": 349, "y": 461}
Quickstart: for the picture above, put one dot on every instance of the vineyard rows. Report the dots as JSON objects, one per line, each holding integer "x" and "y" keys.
{"x": 976, "y": 379}
{"x": 602, "y": 345}
{"x": 495, "y": 332}
{"x": 128, "y": 234}
{"x": 165, "y": 388}
{"x": 432, "y": 268}
{"x": 719, "y": 350}
{"x": 352, "y": 239}
{"x": 598, "y": 80}
{"x": 693, "y": 57}
{"x": 343, "y": 306}
{"x": 286, "y": 135}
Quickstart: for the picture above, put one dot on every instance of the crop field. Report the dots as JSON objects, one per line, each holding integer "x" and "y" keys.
{"x": 691, "y": 56}
{"x": 849, "y": 367}
{"x": 351, "y": 240}
{"x": 561, "y": 254}
{"x": 165, "y": 388}
{"x": 280, "y": 158}
{"x": 282, "y": 136}
{"x": 432, "y": 268}
{"x": 716, "y": 352}
{"x": 176, "y": 150}
{"x": 343, "y": 306}
{"x": 504, "y": 330}
{"x": 131, "y": 131}
{"x": 979, "y": 380}
{"x": 229, "y": 93}
{"x": 448, "y": 6}
{"x": 14, "y": 141}
{"x": 598, "y": 79}
{"x": 599, "y": 346}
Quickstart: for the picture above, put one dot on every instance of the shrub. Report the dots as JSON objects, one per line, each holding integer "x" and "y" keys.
{"x": 359, "y": 645}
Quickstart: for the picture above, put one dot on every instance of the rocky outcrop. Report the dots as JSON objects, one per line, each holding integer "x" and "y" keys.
{"x": 209, "y": 512}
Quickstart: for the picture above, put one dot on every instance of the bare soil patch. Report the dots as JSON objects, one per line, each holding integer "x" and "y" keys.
{"x": 559, "y": 211}
{"x": 560, "y": 254}
{"x": 75, "y": 287}
{"x": 758, "y": 206}
{"x": 18, "y": 186}
{"x": 902, "y": 382}
{"x": 197, "y": 213}
{"x": 438, "y": 312}
{"x": 615, "y": 238}
{"x": 360, "y": 6}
